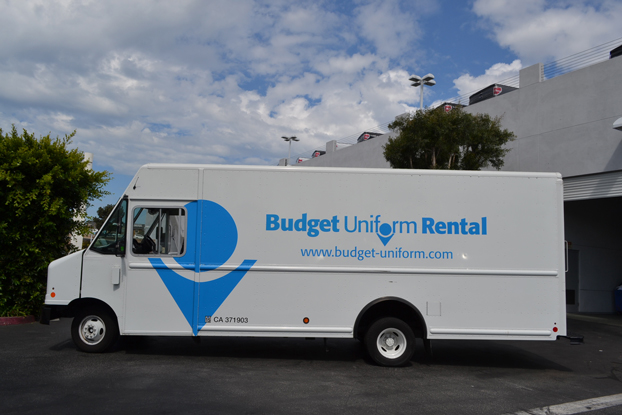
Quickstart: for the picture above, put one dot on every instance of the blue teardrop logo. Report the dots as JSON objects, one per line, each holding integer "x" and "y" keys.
{"x": 215, "y": 231}
{"x": 385, "y": 233}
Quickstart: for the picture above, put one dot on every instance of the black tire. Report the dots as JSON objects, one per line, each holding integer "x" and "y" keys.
{"x": 94, "y": 329}
{"x": 390, "y": 342}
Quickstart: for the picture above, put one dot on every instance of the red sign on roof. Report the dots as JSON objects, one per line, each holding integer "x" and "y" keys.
{"x": 496, "y": 90}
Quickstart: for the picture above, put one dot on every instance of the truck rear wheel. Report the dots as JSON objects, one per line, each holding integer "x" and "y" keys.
{"x": 390, "y": 342}
{"x": 94, "y": 330}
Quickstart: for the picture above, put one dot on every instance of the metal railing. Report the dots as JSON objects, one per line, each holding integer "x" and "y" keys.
{"x": 579, "y": 60}
{"x": 559, "y": 67}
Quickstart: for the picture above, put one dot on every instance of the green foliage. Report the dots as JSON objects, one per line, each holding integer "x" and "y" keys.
{"x": 45, "y": 189}
{"x": 102, "y": 214}
{"x": 457, "y": 140}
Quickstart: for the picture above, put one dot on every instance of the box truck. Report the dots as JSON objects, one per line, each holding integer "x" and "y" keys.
{"x": 381, "y": 255}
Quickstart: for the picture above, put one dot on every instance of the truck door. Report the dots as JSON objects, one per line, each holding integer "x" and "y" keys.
{"x": 160, "y": 271}
{"x": 102, "y": 265}
{"x": 217, "y": 276}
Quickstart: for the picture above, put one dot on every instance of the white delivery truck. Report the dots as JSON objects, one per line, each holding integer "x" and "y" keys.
{"x": 380, "y": 255}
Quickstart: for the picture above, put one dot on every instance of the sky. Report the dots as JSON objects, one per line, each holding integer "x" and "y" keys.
{"x": 220, "y": 82}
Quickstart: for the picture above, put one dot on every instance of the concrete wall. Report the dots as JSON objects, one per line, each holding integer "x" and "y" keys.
{"x": 364, "y": 154}
{"x": 563, "y": 124}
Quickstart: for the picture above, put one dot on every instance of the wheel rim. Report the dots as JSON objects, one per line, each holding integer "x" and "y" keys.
{"x": 391, "y": 343}
{"x": 92, "y": 330}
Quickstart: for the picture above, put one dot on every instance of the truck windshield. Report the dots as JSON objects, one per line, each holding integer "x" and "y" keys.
{"x": 111, "y": 239}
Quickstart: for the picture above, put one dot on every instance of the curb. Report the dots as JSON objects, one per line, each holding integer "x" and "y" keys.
{"x": 7, "y": 321}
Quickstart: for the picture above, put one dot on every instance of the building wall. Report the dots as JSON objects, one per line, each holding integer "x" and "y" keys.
{"x": 564, "y": 124}
{"x": 365, "y": 154}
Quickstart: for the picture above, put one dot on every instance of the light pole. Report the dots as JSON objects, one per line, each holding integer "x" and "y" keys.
{"x": 290, "y": 139}
{"x": 421, "y": 81}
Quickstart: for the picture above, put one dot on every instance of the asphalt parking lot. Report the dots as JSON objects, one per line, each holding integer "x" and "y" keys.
{"x": 41, "y": 371}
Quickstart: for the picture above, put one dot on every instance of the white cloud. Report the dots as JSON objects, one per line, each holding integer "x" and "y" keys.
{"x": 204, "y": 82}
{"x": 60, "y": 121}
{"x": 388, "y": 26}
{"x": 346, "y": 64}
{"x": 543, "y": 31}
{"x": 468, "y": 84}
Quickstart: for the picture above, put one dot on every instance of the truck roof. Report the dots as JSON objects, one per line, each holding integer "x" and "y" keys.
{"x": 355, "y": 170}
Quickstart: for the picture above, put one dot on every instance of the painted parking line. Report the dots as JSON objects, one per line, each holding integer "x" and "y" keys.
{"x": 577, "y": 407}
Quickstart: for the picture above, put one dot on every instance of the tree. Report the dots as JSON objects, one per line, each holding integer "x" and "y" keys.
{"x": 102, "y": 214}
{"x": 45, "y": 189}
{"x": 457, "y": 140}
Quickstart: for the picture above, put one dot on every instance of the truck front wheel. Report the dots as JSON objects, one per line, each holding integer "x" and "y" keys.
{"x": 94, "y": 330}
{"x": 390, "y": 342}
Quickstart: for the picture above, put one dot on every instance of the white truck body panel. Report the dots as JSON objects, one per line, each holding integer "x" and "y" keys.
{"x": 68, "y": 271}
{"x": 480, "y": 255}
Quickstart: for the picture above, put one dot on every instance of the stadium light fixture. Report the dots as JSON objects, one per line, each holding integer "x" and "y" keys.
{"x": 421, "y": 81}
{"x": 290, "y": 139}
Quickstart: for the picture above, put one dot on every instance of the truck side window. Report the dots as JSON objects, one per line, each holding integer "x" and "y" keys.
{"x": 158, "y": 231}
{"x": 111, "y": 238}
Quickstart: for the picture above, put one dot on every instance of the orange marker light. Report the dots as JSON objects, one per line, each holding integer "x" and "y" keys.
{"x": 53, "y": 294}
{"x": 555, "y": 329}
{"x": 305, "y": 320}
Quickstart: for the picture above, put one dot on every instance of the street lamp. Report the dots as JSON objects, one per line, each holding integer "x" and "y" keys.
{"x": 290, "y": 139}
{"x": 421, "y": 81}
